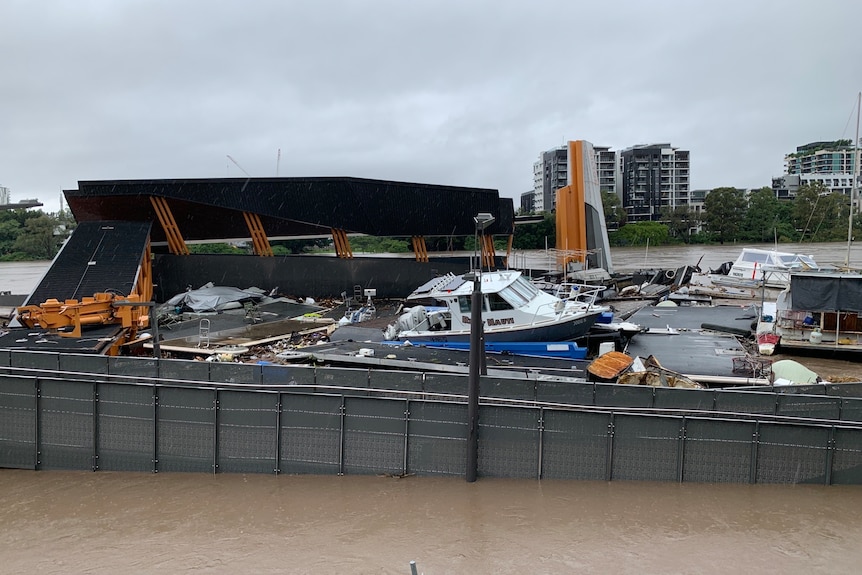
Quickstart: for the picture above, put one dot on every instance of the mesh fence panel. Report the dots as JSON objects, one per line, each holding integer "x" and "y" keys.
{"x": 847, "y": 457}
{"x": 5, "y": 357}
{"x": 17, "y": 422}
{"x": 745, "y": 402}
{"x": 437, "y": 442}
{"x": 311, "y": 434}
{"x": 374, "y": 432}
{"x": 447, "y": 384}
{"x": 508, "y": 442}
{"x": 343, "y": 377}
{"x": 571, "y": 393}
{"x": 125, "y": 428}
{"x": 186, "y": 420}
{"x": 66, "y": 425}
{"x": 815, "y": 407}
{"x": 248, "y": 432}
{"x": 133, "y": 367}
{"x": 791, "y": 454}
{"x": 851, "y": 409}
{"x": 229, "y": 372}
{"x": 185, "y": 370}
{"x": 287, "y": 375}
{"x": 35, "y": 360}
{"x": 575, "y": 445}
{"x": 614, "y": 395}
{"x": 84, "y": 366}
{"x": 507, "y": 388}
{"x": 645, "y": 448}
{"x": 718, "y": 451}
{"x": 394, "y": 380}
{"x": 681, "y": 398}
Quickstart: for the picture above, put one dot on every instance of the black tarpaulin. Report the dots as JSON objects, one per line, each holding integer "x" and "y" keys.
{"x": 826, "y": 292}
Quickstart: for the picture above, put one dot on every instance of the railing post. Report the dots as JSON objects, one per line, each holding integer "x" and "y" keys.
{"x": 37, "y": 432}
{"x": 405, "y": 458}
{"x": 279, "y": 408}
{"x": 342, "y": 411}
{"x": 755, "y": 444}
{"x": 95, "y": 426}
{"x": 680, "y": 453}
{"x": 541, "y": 442}
{"x": 609, "y": 471}
{"x": 215, "y": 430}
{"x": 155, "y": 428}
{"x": 830, "y": 455}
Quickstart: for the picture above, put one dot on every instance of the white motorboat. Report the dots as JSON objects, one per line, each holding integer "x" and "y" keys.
{"x": 757, "y": 267}
{"x": 513, "y": 309}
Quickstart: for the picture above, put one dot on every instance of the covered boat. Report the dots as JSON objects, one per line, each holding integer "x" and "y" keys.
{"x": 513, "y": 309}
{"x": 756, "y": 267}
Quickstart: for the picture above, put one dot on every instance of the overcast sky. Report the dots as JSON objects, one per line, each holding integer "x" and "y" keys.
{"x": 460, "y": 92}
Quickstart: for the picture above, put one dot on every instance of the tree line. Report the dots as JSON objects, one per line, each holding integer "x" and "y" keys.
{"x": 33, "y": 234}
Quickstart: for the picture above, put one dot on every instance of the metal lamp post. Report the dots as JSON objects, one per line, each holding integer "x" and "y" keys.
{"x": 477, "y": 350}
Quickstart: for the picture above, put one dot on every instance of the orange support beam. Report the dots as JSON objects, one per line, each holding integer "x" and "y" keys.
{"x": 176, "y": 243}
{"x": 488, "y": 251}
{"x": 342, "y": 244}
{"x": 261, "y": 243}
{"x": 419, "y": 248}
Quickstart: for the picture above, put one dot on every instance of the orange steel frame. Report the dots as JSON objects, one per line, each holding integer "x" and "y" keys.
{"x": 419, "y": 248}
{"x": 176, "y": 243}
{"x": 261, "y": 243}
{"x": 342, "y": 243}
{"x": 571, "y": 214}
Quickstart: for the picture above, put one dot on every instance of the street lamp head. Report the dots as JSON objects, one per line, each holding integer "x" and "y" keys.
{"x": 483, "y": 220}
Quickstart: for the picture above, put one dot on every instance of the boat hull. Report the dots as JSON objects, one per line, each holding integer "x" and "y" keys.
{"x": 566, "y": 330}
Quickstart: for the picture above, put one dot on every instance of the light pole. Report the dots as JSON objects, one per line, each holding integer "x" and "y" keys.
{"x": 477, "y": 350}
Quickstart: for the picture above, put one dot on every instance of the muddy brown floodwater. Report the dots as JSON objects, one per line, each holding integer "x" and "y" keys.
{"x": 79, "y": 522}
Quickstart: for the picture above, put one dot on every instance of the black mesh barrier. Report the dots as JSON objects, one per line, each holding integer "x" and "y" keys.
{"x": 35, "y": 360}
{"x": 298, "y": 375}
{"x": 571, "y": 393}
{"x": 66, "y": 425}
{"x": 230, "y": 372}
{"x": 248, "y": 432}
{"x": 85, "y": 366}
{"x": 810, "y": 406}
{"x": 5, "y": 357}
{"x": 745, "y": 402}
{"x": 186, "y": 420}
{"x": 613, "y": 395}
{"x": 126, "y": 427}
{"x": 717, "y": 451}
{"x": 681, "y": 398}
{"x": 18, "y": 422}
{"x": 437, "y": 438}
{"x": 374, "y": 432}
{"x": 575, "y": 445}
{"x": 134, "y": 367}
{"x": 311, "y": 434}
{"x": 184, "y": 370}
{"x": 847, "y": 457}
{"x": 508, "y": 442}
{"x": 851, "y": 409}
{"x": 645, "y": 448}
{"x": 344, "y": 377}
{"x": 396, "y": 381}
{"x": 507, "y": 388}
{"x": 791, "y": 454}
{"x": 447, "y": 384}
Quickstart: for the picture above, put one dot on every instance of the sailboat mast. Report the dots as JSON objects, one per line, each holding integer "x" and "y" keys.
{"x": 855, "y": 180}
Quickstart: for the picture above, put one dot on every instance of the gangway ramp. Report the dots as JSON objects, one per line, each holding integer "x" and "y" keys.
{"x": 100, "y": 256}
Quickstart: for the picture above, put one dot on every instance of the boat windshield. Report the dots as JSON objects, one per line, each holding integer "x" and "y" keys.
{"x": 798, "y": 261}
{"x": 756, "y": 257}
{"x": 519, "y": 293}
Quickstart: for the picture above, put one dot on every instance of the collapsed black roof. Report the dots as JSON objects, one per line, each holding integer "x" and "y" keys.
{"x": 211, "y": 209}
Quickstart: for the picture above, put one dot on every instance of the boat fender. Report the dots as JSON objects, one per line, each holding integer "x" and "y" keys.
{"x": 670, "y": 274}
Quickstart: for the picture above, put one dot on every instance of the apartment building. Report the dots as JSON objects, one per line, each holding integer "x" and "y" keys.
{"x": 551, "y": 172}
{"x": 5, "y": 196}
{"x": 654, "y": 177}
{"x": 829, "y": 163}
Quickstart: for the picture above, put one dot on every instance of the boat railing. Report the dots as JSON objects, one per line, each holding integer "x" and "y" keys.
{"x": 586, "y": 294}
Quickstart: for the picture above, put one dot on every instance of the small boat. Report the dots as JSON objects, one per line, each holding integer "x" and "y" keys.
{"x": 513, "y": 309}
{"x": 757, "y": 267}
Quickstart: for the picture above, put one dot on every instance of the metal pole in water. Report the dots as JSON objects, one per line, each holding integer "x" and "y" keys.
{"x": 473, "y": 383}
{"x": 413, "y": 568}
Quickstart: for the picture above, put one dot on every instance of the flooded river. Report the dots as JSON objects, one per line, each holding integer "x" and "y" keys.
{"x": 61, "y": 522}
{"x": 75, "y": 522}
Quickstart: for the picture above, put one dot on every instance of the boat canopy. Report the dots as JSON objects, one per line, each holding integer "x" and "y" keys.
{"x": 826, "y": 292}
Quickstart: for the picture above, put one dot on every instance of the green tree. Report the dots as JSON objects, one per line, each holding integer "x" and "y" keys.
{"x": 819, "y": 214}
{"x": 615, "y": 215}
{"x": 639, "y": 233}
{"x": 532, "y": 236}
{"x": 680, "y": 221}
{"x": 724, "y": 209}
{"x": 761, "y": 220}
{"x": 10, "y": 229}
{"x": 37, "y": 240}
